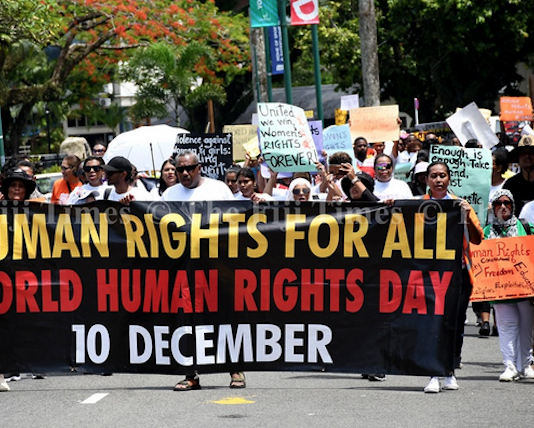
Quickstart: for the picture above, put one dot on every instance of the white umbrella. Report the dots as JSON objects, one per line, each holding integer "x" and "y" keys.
{"x": 147, "y": 147}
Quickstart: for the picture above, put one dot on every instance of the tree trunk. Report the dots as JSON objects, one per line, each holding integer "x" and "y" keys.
{"x": 17, "y": 127}
{"x": 259, "y": 66}
{"x": 369, "y": 48}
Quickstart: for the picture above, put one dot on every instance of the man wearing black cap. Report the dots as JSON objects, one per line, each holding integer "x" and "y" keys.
{"x": 119, "y": 173}
{"x": 521, "y": 185}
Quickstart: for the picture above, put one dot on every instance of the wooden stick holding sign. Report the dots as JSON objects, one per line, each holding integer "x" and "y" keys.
{"x": 286, "y": 141}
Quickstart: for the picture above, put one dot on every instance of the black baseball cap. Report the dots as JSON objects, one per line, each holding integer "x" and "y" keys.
{"x": 118, "y": 164}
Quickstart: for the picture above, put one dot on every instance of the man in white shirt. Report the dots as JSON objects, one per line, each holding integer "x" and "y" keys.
{"x": 192, "y": 186}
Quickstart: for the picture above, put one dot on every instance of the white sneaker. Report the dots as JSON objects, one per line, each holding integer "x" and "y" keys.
{"x": 450, "y": 383}
{"x": 433, "y": 386}
{"x": 528, "y": 373}
{"x": 509, "y": 375}
{"x": 3, "y": 384}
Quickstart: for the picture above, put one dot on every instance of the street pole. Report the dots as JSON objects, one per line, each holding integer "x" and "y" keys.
{"x": 282, "y": 6}
{"x": 317, "y": 70}
{"x": 47, "y": 114}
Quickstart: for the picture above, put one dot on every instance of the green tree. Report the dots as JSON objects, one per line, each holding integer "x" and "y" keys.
{"x": 447, "y": 53}
{"x": 86, "y": 39}
{"x": 166, "y": 79}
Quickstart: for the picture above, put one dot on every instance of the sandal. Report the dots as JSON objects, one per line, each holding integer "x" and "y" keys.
{"x": 188, "y": 384}
{"x": 238, "y": 380}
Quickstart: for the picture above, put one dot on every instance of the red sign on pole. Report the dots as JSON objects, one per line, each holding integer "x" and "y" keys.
{"x": 304, "y": 12}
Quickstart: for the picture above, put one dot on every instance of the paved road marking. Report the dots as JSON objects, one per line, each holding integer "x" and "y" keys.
{"x": 95, "y": 398}
{"x": 234, "y": 400}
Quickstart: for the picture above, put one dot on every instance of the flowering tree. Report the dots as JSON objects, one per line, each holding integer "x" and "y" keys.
{"x": 77, "y": 44}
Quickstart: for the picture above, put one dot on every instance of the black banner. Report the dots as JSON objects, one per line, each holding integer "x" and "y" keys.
{"x": 176, "y": 287}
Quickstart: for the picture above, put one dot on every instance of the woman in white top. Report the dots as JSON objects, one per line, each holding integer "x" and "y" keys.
{"x": 387, "y": 187}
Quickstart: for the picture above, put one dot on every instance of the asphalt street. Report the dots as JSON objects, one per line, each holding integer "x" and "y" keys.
{"x": 277, "y": 399}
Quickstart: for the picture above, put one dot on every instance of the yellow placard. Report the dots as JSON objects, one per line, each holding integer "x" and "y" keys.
{"x": 241, "y": 134}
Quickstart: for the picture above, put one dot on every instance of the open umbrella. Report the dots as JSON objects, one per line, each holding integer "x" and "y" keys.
{"x": 146, "y": 147}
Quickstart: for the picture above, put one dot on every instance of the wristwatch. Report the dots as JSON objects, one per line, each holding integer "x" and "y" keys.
{"x": 355, "y": 180}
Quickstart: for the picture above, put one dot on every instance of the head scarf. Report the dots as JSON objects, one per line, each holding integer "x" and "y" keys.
{"x": 293, "y": 184}
{"x": 503, "y": 228}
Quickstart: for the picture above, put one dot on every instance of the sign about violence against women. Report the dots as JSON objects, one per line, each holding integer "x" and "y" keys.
{"x": 159, "y": 287}
{"x": 515, "y": 109}
{"x": 503, "y": 269}
{"x": 241, "y": 134}
{"x": 214, "y": 151}
{"x": 286, "y": 141}
{"x": 376, "y": 124}
{"x": 470, "y": 174}
{"x": 469, "y": 123}
{"x": 336, "y": 138}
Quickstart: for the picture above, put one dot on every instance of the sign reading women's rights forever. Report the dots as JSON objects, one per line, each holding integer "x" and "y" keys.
{"x": 470, "y": 174}
{"x": 286, "y": 141}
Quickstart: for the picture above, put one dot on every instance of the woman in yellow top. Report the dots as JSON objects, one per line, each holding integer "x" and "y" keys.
{"x": 438, "y": 177}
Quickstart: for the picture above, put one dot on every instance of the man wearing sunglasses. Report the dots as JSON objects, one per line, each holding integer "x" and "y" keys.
{"x": 192, "y": 186}
{"x": 94, "y": 188}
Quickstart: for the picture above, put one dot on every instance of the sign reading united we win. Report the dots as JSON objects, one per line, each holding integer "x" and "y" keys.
{"x": 286, "y": 141}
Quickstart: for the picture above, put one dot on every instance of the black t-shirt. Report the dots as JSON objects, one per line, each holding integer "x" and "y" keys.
{"x": 522, "y": 191}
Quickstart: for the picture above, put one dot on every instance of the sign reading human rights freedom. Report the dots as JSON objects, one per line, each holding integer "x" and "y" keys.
{"x": 503, "y": 268}
{"x": 286, "y": 141}
{"x": 470, "y": 174}
{"x": 175, "y": 287}
{"x": 214, "y": 151}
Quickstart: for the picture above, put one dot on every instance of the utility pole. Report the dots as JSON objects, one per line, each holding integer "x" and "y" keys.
{"x": 369, "y": 48}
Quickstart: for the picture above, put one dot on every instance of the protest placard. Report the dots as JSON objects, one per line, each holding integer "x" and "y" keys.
{"x": 336, "y": 138}
{"x": 516, "y": 108}
{"x": 349, "y": 102}
{"x": 285, "y": 138}
{"x": 470, "y": 174}
{"x": 214, "y": 151}
{"x": 402, "y": 171}
{"x": 376, "y": 124}
{"x": 316, "y": 129}
{"x": 469, "y": 123}
{"x": 503, "y": 269}
{"x": 241, "y": 134}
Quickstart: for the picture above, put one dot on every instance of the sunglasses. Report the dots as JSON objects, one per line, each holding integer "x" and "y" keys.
{"x": 501, "y": 203}
{"x": 303, "y": 191}
{"x": 188, "y": 168}
{"x": 384, "y": 166}
{"x": 95, "y": 168}
{"x": 99, "y": 150}
{"x": 64, "y": 168}
{"x": 110, "y": 173}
